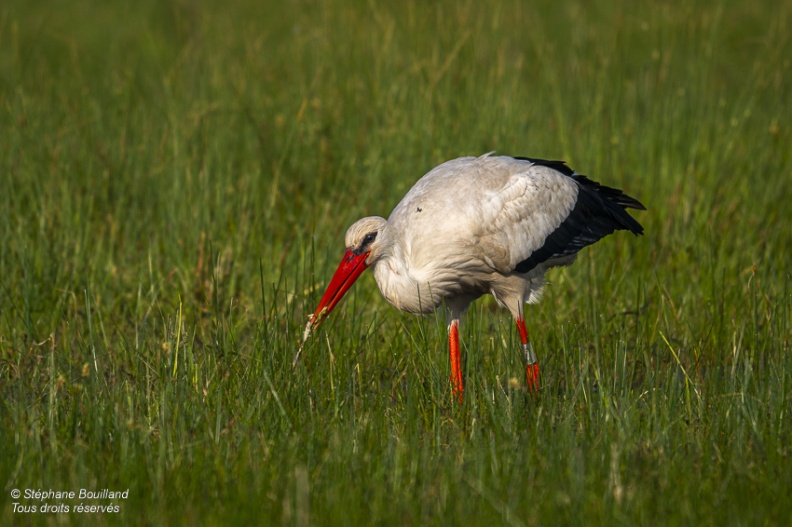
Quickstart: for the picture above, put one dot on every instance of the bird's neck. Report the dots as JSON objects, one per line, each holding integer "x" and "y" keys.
{"x": 397, "y": 283}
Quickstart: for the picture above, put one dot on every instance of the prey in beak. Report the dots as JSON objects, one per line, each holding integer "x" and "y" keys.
{"x": 351, "y": 267}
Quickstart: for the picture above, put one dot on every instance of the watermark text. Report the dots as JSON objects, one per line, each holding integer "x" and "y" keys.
{"x": 59, "y": 501}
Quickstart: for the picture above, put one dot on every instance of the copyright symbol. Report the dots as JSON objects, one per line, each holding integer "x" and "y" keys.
{"x": 15, "y": 493}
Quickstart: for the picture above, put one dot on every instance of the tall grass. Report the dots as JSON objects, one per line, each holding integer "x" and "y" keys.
{"x": 176, "y": 181}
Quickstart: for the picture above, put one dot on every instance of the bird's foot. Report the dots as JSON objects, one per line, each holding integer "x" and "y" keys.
{"x": 531, "y": 367}
{"x": 458, "y": 389}
{"x": 532, "y": 377}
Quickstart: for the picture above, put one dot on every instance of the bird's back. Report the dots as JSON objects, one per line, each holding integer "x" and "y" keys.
{"x": 510, "y": 214}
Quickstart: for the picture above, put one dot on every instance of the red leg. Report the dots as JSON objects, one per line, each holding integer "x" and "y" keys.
{"x": 456, "y": 365}
{"x": 531, "y": 366}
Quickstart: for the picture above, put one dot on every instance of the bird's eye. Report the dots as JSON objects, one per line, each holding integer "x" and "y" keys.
{"x": 370, "y": 237}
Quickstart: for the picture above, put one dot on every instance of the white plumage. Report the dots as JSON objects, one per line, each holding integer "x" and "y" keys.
{"x": 479, "y": 225}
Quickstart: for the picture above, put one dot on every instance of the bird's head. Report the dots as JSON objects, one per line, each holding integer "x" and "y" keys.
{"x": 366, "y": 242}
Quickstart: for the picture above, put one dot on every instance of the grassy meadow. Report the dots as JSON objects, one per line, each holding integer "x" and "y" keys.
{"x": 176, "y": 178}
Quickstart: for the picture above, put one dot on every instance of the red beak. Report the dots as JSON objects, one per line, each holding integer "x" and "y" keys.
{"x": 350, "y": 268}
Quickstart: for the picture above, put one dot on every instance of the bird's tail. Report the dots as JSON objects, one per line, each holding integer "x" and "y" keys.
{"x": 615, "y": 202}
{"x": 611, "y": 194}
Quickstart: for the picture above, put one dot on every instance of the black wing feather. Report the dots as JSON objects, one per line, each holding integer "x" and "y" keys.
{"x": 560, "y": 166}
{"x": 598, "y": 212}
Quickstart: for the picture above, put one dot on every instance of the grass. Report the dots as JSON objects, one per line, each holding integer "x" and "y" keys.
{"x": 176, "y": 181}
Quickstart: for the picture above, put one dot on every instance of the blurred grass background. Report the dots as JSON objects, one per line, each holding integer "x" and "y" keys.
{"x": 176, "y": 180}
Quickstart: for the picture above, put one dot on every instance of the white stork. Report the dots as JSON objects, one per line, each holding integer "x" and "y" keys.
{"x": 478, "y": 225}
